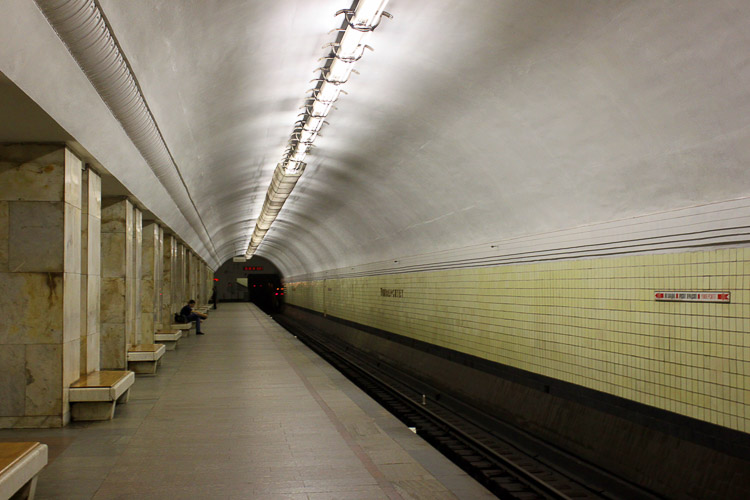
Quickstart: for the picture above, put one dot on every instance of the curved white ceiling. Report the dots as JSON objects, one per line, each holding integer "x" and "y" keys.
{"x": 471, "y": 122}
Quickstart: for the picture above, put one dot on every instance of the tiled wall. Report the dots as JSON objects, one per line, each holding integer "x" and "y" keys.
{"x": 590, "y": 322}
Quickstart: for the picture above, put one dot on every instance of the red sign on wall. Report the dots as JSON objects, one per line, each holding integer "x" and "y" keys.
{"x": 693, "y": 296}
{"x": 253, "y": 268}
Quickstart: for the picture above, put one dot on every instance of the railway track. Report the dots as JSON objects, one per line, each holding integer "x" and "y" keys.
{"x": 502, "y": 468}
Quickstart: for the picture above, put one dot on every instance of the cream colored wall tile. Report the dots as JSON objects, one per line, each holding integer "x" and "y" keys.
{"x": 600, "y": 307}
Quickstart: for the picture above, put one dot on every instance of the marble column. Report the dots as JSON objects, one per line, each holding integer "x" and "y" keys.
{"x": 188, "y": 280}
{"x": 151, "y": 282}
{"x": 201, "y": 283}
{"x": 178, "y": 298}
{"x": 91, "y": 226}
{"x": 117, "y": 307}
{"x": 158, "y": 283}
{"x": 40, "y": 283}
{"x": 135, "y": 285}
{"x": 169, "y": 269}
{"x": 194, "y": 278}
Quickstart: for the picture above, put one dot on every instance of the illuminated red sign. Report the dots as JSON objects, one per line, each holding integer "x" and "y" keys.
{"x": 693, "y": 296}
{"x": 253, "y": 268}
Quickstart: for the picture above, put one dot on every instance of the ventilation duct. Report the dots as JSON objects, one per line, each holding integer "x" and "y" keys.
{"x": 83, "y": 29}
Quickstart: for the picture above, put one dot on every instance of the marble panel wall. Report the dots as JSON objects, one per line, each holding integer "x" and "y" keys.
{"x": 189, "y": 271}
{"x": 202, "y": 298}
{"x": 184, "y": 271}
{"x": 150, "y": 281}
{"x": 188, "y": 282}
{"x": 40, "y": 283}
{"x": 177, "y": 279}
{"x": 193, "y": 293}
{"x": 169, "y": 269}
{"x": 90, "y": 271}
{"x": 84, "y": 267}
{"x": 117, "y": 263}
{"x": 211, "y": 285}
{"x": 178, "y": 298}
{"x": 135, "y": 278}
{"x": 199, "y": 297}
{"x": 158, "y": 277}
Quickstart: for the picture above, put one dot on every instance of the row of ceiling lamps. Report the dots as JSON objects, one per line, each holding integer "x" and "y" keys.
{"x": 359, "y": 23}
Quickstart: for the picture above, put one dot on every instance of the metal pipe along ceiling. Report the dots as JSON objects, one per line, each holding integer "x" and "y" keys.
{"x": 81, "y": 26}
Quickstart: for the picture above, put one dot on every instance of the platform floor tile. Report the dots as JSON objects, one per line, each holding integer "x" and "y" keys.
{"x": 245, "y": 411}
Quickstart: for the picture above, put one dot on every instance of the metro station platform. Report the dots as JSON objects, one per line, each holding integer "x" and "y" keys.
{"x": 245, "y": 411}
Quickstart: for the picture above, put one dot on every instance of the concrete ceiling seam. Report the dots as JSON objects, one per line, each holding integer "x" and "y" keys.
{"x": 359, "y": 23}
{"x": 83, "y": 28}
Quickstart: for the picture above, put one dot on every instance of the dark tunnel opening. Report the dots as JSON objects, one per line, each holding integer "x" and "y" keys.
{"x": 266, "y": 291}
{"x": 257, "y": 280}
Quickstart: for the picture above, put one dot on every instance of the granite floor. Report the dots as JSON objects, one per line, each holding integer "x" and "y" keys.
{"x": 246, "y": 411}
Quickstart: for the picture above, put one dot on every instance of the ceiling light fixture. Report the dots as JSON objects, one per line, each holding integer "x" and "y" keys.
{"x": 359, "y": 23}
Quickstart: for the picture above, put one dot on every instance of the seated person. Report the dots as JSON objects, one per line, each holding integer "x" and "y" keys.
{"x": 191, "y": 315}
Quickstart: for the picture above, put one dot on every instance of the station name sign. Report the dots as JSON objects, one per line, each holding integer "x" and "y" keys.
{"x": 392, "y": 292}
{"x": 253, "y": 268}
{"x": 722, "y": 297}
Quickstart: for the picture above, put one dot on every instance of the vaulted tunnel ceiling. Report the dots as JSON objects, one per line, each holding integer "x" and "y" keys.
{"x": 470, "y": 123}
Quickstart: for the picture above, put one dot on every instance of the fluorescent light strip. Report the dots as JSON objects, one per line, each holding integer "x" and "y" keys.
{"x": 360, "y": 23}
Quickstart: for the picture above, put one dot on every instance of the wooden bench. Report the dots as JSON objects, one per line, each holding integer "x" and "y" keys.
{"x": 145, "y": 358}
{"x": 20, "y": 464}
{"x": 168, "y": 338}
{"x": 94, "y": 396}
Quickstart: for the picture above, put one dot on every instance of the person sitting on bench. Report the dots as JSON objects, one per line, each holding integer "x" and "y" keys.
{"x": 190, "y": 315}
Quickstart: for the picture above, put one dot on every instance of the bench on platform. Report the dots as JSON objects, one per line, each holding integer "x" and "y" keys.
{"x": 183, "y": 327}
{"x": 169, "y": 338}
{"x": 145, "y": 358}
{"x": 94, "y": 396}
{"x": 20, "y": 464}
